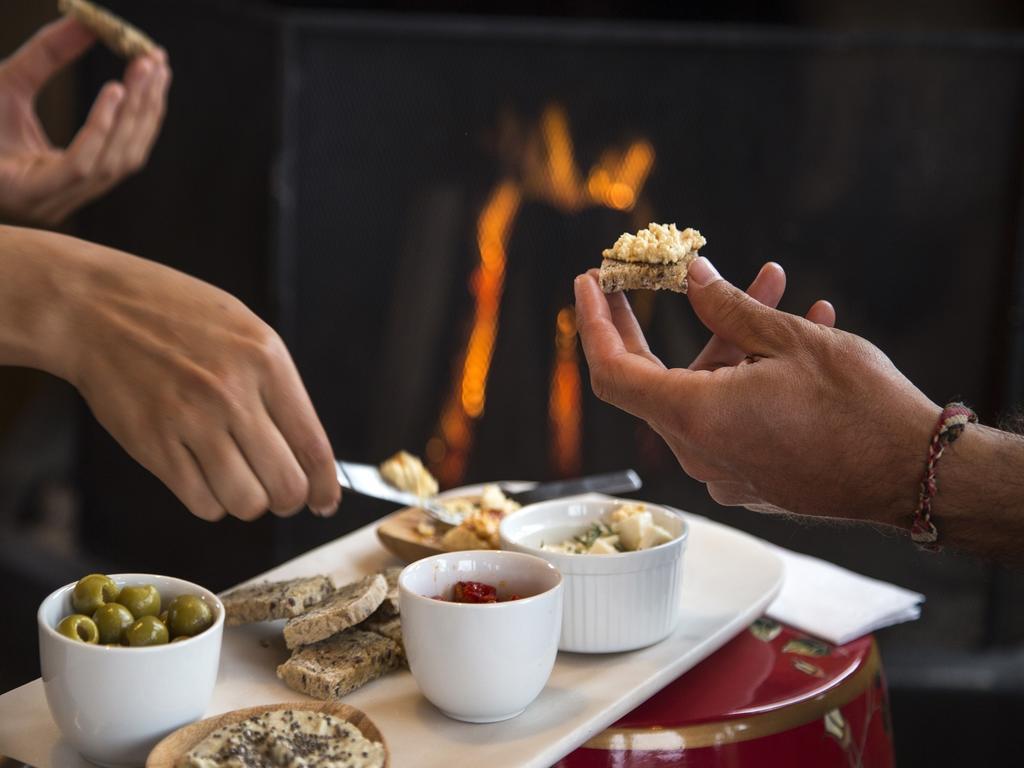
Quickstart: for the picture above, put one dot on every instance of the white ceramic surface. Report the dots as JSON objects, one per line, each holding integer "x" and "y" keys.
{"x": 615, "y": 602}
{"x": 730, "y": 578}
{"x": 114, "y": 704}
{"x": 481, "y": 663}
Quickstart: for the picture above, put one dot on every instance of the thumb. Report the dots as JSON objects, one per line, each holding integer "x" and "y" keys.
{"x": 48, "y": 51}
{"x": 731, "y": 314}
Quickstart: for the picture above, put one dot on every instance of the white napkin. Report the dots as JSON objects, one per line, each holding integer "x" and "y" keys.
{"x": 838, "y": 605}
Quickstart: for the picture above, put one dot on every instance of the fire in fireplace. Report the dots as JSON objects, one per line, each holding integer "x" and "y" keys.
{"x": 543, "y": 168}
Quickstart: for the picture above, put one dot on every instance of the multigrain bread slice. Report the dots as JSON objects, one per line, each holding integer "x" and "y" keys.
{"x": 120, "y": 36}
{"x": 389, "y": 626}
{"x": 390, "y": 605}
{"x": 275, "y": 599}
{"x": 624, "y": 276}
{"x": 348, "y": 606}
{"x": 341, "y": 664}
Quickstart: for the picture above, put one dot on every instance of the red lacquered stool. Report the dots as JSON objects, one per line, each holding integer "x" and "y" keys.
{"x": 771, "y": 698}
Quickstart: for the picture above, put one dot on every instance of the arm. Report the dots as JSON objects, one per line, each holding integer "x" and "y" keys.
{"x": 44, "y": 184}
{"x": 797, "y": 416}
{"x": 193, "y": 385}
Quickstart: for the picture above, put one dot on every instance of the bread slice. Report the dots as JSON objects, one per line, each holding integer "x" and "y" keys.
{"x": 348, "y": 606}
{"x": 389, "y": 626}
{"x": 341, "y": 664}
{"x": 120, "y": 36}
{"x": 390, "y": 605}
{"x": 627, "y": 276}
{"x": 275, "y": 599}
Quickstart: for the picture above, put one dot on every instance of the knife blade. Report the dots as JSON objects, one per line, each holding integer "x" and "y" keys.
{"x": 623, "y": 481}
{"x": 365, "y": 480}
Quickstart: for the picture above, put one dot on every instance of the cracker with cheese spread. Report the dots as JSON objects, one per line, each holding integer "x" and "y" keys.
{"x": 655, "y": 258}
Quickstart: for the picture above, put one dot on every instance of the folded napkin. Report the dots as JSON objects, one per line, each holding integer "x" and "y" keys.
{"x": 838, "y": 605}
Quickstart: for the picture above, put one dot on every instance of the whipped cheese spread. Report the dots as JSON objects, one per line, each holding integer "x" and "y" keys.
{"x": 286, "y": 738}
{"x": 658, "y": 244}
{"x": 407, "y": 473}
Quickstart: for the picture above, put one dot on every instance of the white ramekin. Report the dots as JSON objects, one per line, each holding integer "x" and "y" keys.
{"x": 612, "y": 602}
{"x": 481, "y": 663}
{"x": 114, "y": 704}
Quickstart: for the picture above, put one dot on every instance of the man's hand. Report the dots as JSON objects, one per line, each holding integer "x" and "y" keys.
{"x": 40, "y": 183}
{"x": 192, "y": 384}
{"x": 778, "y": 412}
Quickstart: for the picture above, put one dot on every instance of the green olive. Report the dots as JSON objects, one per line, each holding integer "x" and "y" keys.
{"x": 148, "y": 630}
{"x": 92, "y": 591}
{"x": 179, "y": 638}
{"x": 112, "y": 620}
{"x": 79, "y": 627}
{"x": 188, "y": 615}
{"x": 141, "y": 601}
{"x": 163, "y": 616}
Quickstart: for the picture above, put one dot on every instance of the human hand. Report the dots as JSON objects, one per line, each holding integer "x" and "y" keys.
{"x": 43, "y": 184}
{"x": 191, "y": 383}
{"x": 778, "y": 412}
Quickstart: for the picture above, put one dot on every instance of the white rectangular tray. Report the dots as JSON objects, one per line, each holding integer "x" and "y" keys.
{"x": 729, "y": 579}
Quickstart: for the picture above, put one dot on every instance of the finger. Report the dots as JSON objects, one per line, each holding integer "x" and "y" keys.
{"x": 823, "y": 313}
{"x": 113, "y": 162}
{"x": 46, "y": 52}
{"x": 276, "y": 467}
{"x": 229, "y": 475}
{"x": 732, "y": 315}
{"x": 629, "y": 328}
{"x": 767, "y": 288}
{"x": 619, "y": 377}
{"x": 151, "y": 117}
{"x": 288, "y": 404}
{"x": 186, "y": 481}
{"x": 85, "y": 149}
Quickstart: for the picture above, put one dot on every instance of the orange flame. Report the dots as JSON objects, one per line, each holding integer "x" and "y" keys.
{"x": 548, "y": 174}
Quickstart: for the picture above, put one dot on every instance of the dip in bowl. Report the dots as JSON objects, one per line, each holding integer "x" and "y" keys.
{"x": 617, "y": 601}
{"x": 114, "y": 703}
{"x": 476, "y": 660}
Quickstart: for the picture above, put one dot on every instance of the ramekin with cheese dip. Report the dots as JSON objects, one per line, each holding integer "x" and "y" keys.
{"x": 622, "y": 562}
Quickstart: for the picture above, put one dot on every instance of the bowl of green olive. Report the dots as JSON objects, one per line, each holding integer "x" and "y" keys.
{"x": 126, "y": 659}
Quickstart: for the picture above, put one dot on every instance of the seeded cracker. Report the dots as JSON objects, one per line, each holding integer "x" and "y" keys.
{"x": 120, "y": 36}
{"x": 348, "y": 606}
{"x": 275, "y": 600}
{"x": 341, "y": 664}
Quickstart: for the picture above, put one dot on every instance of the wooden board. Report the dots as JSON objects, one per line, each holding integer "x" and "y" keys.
{"x": 399, "y": 535}
{"x": 167, "y": 753}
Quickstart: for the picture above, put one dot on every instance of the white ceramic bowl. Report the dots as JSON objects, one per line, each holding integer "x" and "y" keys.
{"x": 114, "y": 704}
{"x": 612, "y": 602}
{"x": 481, "y": 663}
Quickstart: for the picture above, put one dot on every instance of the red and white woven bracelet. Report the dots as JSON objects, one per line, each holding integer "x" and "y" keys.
{"x": 954, "y": 417}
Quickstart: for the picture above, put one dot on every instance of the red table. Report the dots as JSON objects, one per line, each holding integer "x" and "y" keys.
{"x": 772, "y": 697}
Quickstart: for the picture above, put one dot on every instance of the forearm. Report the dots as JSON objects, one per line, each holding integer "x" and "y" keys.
{"x": 979, "y": 505}
{"x": 40, "y": 273}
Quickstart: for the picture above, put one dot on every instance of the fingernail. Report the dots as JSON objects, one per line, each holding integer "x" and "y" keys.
{"x": 701, "y": 272}
{"x": 326, "y": 511}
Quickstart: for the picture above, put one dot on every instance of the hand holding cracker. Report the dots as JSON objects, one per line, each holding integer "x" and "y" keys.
{"x": 43, "y": 184}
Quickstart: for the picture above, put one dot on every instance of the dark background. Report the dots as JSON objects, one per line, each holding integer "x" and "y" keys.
{"x": 326, "y": 162}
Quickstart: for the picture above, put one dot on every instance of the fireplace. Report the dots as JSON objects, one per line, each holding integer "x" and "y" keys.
{"x": 407, "y": 199}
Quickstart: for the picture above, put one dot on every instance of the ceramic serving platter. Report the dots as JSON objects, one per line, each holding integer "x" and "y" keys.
{"x": 729, "y": 579}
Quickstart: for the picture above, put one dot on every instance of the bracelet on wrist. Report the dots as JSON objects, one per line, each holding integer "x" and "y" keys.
{"x": 952, "y": 421}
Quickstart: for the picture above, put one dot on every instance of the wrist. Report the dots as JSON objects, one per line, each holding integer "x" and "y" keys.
{"x": 41, "y": 278}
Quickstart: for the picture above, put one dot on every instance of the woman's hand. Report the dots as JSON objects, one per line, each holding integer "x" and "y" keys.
{"x": 191, "y": 383}
{"x": 778, "y": 412}
{"x": 43, "y": 184}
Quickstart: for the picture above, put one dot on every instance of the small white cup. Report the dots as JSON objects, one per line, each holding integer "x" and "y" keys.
{"x": 114, "y": 704}
{"x": 481, "y": 663}
{"x": 613, "y": 603}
